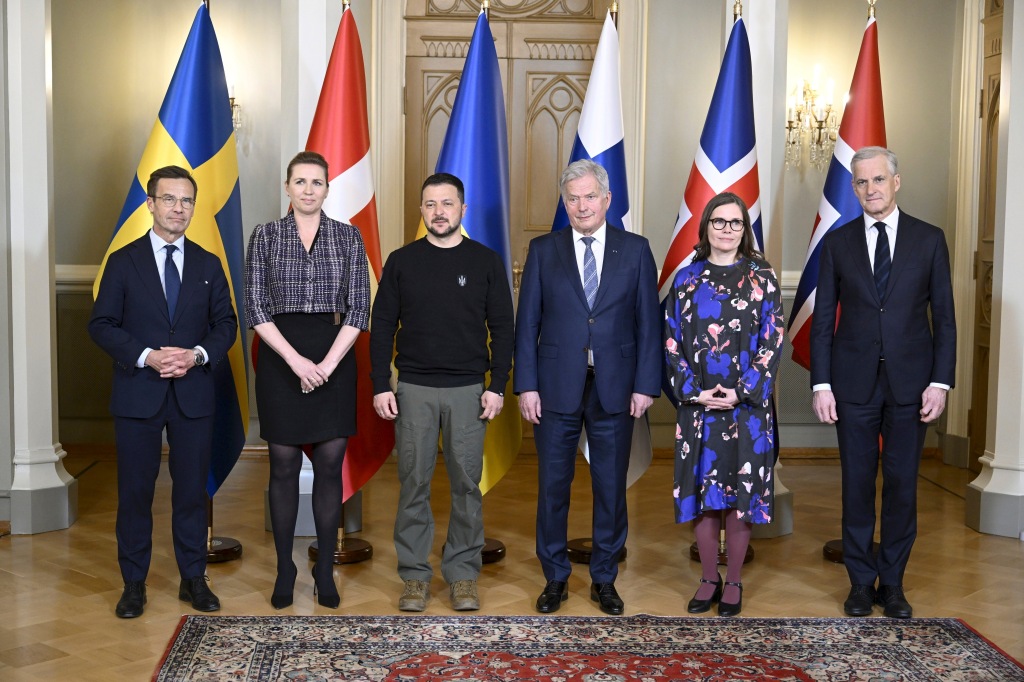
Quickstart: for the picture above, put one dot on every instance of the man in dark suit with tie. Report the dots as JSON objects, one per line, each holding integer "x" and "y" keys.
{"x": 164, "y": 314}
{"x": 588, "y": 352}
{"x": 882, "y": 371}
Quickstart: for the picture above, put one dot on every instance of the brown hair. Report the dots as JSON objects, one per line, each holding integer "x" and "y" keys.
{"x": 307, "y": 157}
{"x": 170, "y": 173}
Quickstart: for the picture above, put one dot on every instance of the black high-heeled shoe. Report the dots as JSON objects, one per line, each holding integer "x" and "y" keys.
{"x": 702, "y": 605}
{"x": 328, "y": 595}
{"x": 727, "y": 609}
{"x": 284, "y": 586}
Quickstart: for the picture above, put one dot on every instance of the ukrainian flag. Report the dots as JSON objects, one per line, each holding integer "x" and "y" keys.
{"x": 475, "y": 150}
{"x": 194, "y": 131}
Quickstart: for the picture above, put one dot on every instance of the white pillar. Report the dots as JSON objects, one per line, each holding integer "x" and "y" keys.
{"x": 767, "y": 28}
{"x": 995, "y": 499}
{"x": 43, "y": 495}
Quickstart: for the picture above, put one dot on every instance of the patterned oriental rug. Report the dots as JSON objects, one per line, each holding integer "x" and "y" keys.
{"x": 571, "y": 649}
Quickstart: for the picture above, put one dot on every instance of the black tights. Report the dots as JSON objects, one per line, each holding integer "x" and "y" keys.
{"x": 285, "y": 465}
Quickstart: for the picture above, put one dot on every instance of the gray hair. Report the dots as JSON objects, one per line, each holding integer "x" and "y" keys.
{"x": 583, "y": 168}
{"x": 865, "y": 153}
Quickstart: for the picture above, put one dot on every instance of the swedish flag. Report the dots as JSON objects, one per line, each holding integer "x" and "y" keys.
{"x": 194, "y": 131}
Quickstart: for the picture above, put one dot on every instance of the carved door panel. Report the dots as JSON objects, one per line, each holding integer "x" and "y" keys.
{"x": 984, "y": 256}
{"x": 545, "y": 52}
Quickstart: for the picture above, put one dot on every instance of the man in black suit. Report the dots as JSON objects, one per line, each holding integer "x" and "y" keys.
{"x": 588, "y": 349}
{"x": 164, "y": 314}
{"x": 883, "y": 371}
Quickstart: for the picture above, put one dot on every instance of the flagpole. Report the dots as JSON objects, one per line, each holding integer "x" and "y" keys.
{"x": 485, "y": 9}
{"x": 614, "y": 11}
{"x": 871, "y": 9}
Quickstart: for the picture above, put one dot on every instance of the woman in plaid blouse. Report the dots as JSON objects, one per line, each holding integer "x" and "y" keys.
{"x": 307, "y": 297}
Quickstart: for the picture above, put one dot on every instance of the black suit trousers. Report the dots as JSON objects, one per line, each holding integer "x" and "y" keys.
{"x": 902, "y": 432}
{"x": 139, "y": 443}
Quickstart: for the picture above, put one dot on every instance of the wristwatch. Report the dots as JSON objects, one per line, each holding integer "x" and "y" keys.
{"x": 199, "y": 357}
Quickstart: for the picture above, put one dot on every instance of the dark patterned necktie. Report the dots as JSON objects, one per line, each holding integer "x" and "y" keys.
{"x": 172, "y": 280}
{"x": 883, "y": 261}
{"x": 589, "y": 271}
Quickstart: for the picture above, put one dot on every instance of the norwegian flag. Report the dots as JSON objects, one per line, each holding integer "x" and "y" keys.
{"x": 863, "y": 125}
{"x": 726, "y": 159}
{"x": 340, "y": 133}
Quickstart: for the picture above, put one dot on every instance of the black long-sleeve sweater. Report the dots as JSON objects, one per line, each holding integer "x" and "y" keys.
{"x": 436, "y": 306}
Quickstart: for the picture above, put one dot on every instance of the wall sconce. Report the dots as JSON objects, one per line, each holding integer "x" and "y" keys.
{"x": 812, "y": 123}
{"x": 236, "y": 109}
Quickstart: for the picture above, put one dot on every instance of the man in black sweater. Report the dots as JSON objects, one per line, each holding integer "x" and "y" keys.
{"x": 439, "y": 297}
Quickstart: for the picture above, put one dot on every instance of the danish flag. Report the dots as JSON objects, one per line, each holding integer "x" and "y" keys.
{"x": 340, "y": 133}
{"x": 863, "y": 125}
{"x": 726, "y": 160}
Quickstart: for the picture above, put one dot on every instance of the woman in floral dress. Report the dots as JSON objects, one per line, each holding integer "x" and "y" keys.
{"x": 723, "y": 343}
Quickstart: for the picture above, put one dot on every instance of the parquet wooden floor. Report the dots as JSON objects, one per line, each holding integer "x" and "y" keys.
{"x": 58, "y": 589}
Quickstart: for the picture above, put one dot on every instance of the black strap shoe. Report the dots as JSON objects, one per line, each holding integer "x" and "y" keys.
{"x": 860, "y": 600}
{"x": 195, "y": 590}
{"x": 608, "y": 599}
{"x": 555, "y": 592}
{"x": 703, "y": 605}
{"x": 893, "y": 603}
{"x": 132, "y": 601}
{"x": 726, "y": 609}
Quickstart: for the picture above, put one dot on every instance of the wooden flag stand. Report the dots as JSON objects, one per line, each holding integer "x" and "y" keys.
{"x": 219, "y": 549}
{"x": 347, "y": 550}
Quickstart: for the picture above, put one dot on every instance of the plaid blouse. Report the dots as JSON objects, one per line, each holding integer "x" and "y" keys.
{"x": 281, "y": 277}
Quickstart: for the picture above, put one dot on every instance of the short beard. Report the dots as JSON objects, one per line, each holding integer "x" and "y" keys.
{"x": 442, "y": 234}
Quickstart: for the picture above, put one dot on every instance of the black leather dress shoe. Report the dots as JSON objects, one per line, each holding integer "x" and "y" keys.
{"x": 555, "y": 592}
{"x": 195, "y": 590}
{"x": 606, "y": 596}
{"x": 860, "y": 600}
{"x": 893, "y": 603}
{"x": 132, "y": 601}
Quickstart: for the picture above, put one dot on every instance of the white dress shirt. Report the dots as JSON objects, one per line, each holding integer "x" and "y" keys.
{"x": 160, "y": 255}
{"x": 597, "y": 246}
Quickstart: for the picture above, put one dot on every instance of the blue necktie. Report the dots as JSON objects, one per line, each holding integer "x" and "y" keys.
{"x": 883, "y": 261}
{"x": 589, "y": 272}
{"x": 172, "y": 280}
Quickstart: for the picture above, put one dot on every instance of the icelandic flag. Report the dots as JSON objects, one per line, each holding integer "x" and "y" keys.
{"x": 726, "y": 160}
{"x": 863, "y": 125}
{"x": 599, "y": 137}
{"x": 194, "y": 130}
{"x": 340, "y": 132}
{"x": 475, "y": 150}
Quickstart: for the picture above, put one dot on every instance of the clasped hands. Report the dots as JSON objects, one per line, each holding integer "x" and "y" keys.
{"x": 718, "y": 398}
{"x": 386, "y": 405}
{"x": 171, "y": 362}
{"x": 311, "y": 375}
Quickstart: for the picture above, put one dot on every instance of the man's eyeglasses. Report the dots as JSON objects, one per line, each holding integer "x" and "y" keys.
{"x": 169, "y": 201}
{"x": 736, "y": 224}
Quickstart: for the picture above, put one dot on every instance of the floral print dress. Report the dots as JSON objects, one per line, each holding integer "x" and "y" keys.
{"x": 723, "y": 325}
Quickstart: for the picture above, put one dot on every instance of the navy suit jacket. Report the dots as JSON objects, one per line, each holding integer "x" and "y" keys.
{"x": 130, "y": 315}
{"x": 917, "y": 352}
{"x": 554, "y": 326}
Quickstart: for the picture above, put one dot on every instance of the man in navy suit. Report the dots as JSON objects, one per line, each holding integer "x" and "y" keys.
{"x": 588, "y": 352}
{"x": 164, "y": 314}
{"x": 883, "y": 371}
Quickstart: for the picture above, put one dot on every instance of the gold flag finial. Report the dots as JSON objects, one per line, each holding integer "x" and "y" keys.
{"x": 345, "y": 4}
{"x": 871, "y": 9}
{"x": 614, "y": 11}
{"x": 485, "y": 9}
{"x": 737, "y": 11}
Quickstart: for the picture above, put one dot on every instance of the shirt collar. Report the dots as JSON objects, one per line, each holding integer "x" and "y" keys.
{"x": 890, "y": 220}
{"x": 597, "y": 234}
{"x": 158, "y": 244}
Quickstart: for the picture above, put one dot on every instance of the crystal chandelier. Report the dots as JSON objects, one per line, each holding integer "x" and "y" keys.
{"x": 812, "y": 123}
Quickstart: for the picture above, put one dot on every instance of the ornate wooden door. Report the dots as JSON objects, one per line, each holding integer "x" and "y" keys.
{"x": 545, "y": 52}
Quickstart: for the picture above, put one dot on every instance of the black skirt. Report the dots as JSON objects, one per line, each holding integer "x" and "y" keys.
{"x": 287, "y": 415}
